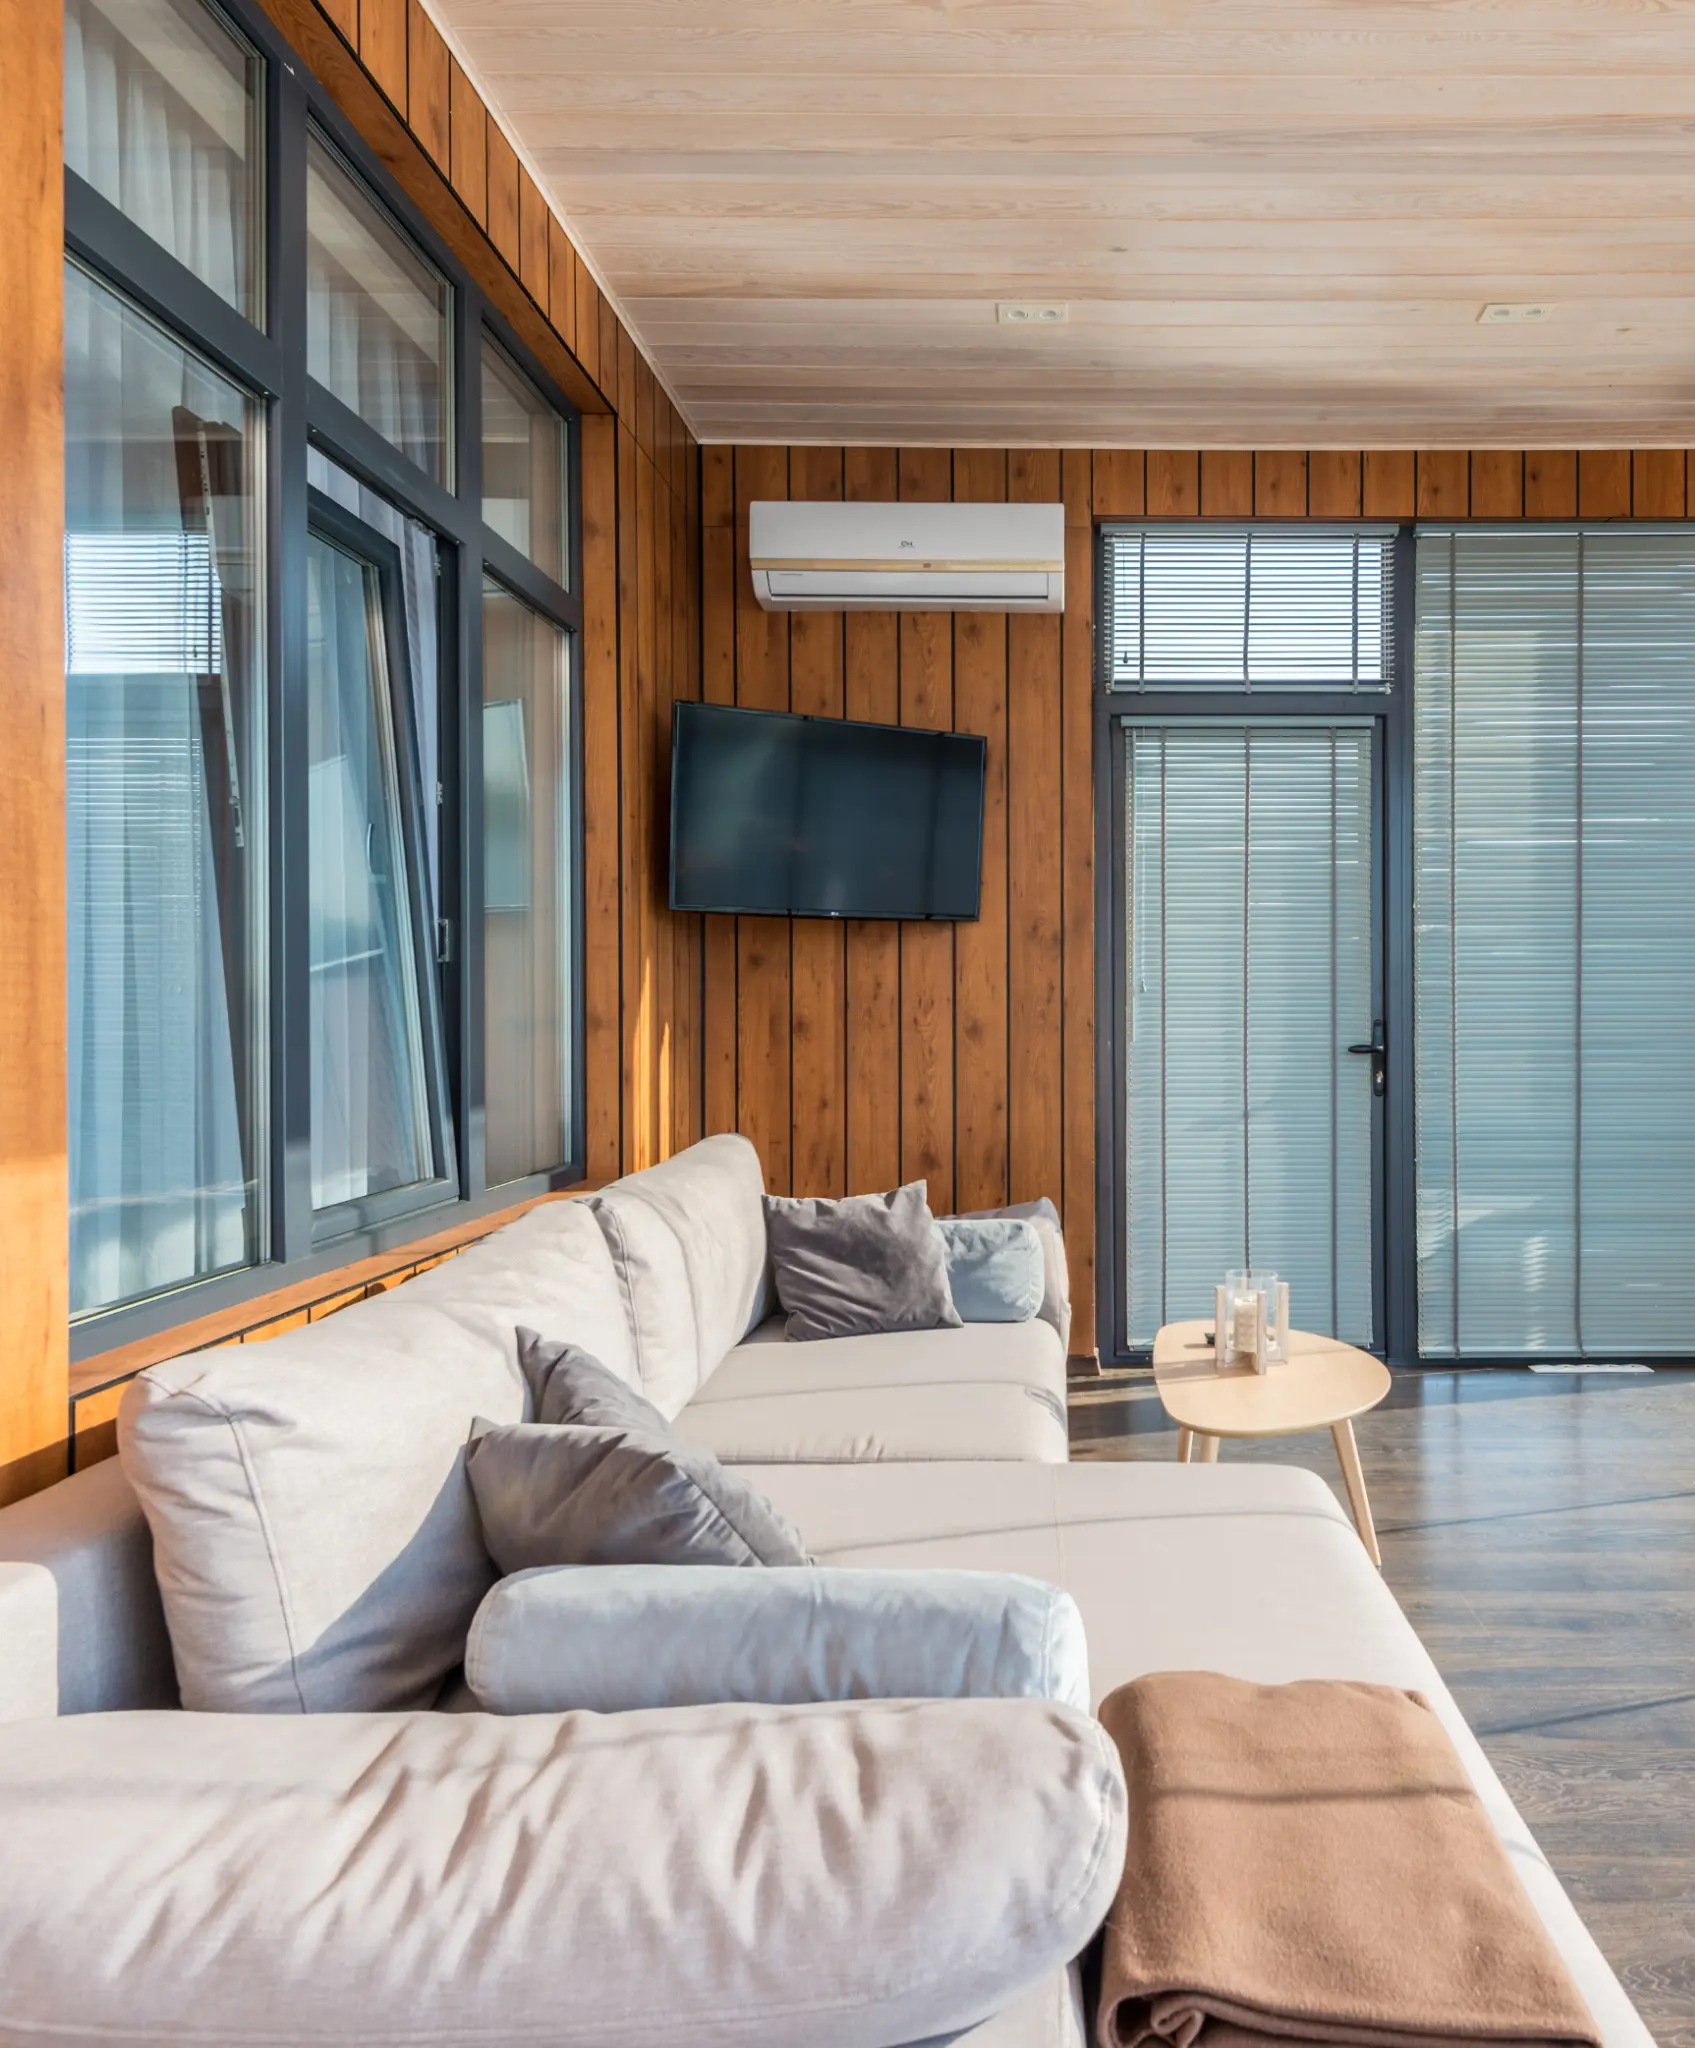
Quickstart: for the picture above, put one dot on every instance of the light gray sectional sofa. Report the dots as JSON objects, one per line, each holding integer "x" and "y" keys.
{"x": 316, "y": 1854}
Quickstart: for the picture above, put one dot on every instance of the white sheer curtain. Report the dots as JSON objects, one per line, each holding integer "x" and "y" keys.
{"x": 158, "y": 119}
{"x": 163, "y": 824}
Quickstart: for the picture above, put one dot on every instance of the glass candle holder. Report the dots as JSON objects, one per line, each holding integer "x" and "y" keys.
{"x": 1251, "y": 1321}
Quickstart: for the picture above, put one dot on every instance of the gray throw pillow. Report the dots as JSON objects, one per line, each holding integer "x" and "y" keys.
{"x": 569, "y": 1384}
{"x": 1056, "y": 1295}
{"x": 551, "y": 1493}
{"x": 859, "y": 1266}
{"x": 996, "y": 1273}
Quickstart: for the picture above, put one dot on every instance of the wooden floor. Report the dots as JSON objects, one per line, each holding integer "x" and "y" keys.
{"x": 1540, "y": 1533}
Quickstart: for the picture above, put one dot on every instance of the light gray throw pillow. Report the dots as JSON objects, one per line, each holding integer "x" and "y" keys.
{"x": 623, "y": 1637}
{"x": 569, "y": 1384}
{"x": 996, "y": 1272}
{"x": 859, "y": 1266}
{"x": 565, "y": 1494}
{"x": 1055, "y": 1310}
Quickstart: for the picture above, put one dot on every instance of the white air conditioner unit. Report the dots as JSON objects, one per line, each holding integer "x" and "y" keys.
{"x": 811, "y": 557}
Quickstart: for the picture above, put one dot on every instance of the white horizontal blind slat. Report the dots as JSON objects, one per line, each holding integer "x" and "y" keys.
{"x": 1554, "y": 800}
{"x": 1248, "y": 606}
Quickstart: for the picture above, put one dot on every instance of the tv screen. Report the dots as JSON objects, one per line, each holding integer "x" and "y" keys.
{"x": 819, "y": 817}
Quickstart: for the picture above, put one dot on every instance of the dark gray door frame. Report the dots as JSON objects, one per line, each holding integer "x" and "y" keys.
{"x": 1395, "y": 1278}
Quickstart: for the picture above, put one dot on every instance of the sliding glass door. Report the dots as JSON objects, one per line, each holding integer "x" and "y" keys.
{"x": 1555, "y": 947}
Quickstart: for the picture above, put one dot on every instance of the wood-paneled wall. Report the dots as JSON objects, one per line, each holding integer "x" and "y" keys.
{"x": 857, "y": 1055}
{"x": 395, "y": 79}
{"x": 32, "y": 744}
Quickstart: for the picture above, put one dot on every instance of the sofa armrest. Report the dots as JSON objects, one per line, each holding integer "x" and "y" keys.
{"x": 850, "y": 1876}
{"x": 29, "y": 1642}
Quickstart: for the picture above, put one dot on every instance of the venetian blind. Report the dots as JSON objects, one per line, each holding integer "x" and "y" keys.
{"x": 1554, "y": 808}
{"x": 1268, "y": 607}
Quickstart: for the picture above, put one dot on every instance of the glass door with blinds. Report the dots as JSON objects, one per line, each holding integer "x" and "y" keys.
{"x": 1554, "y": 814}
{"x": 1249, "y": 723}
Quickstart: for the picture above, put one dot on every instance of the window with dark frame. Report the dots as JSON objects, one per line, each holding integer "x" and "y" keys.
{"x": 323, "y": 787}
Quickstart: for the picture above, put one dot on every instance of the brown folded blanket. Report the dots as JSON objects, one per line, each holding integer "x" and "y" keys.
{"x": 1310, "y": 1862}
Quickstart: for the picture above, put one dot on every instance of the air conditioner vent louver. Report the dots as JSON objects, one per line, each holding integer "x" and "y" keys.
{"x": 827, "y": 556}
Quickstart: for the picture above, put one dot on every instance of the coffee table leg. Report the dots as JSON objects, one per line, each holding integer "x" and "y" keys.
{"x": 1348, "y": 1452}
{"x": 1208, "y": 1451}
{"x": 1185, "y": 1445}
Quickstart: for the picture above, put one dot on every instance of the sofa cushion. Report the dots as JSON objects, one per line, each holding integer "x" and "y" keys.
{"x": 550, "y": 1271}
{"x": 990, "y": 1390}
{"x": 687, "y": 1239}
{"x": 569, "y": 1495}
{"x": 996, "y": 1273}
{"x": 314, "y": 1534}
{"x": 622, "y": 1637}
{"x": 567, "y": 1384}
{"x": 733, "y": 1877}
{"x": 860, "y": 1265}
{"x": 1043, "y": 1218}
{"x": 1253, "y": 1570}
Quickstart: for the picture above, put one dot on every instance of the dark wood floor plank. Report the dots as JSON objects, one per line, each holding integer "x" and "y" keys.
{"x": 1539, "y": 1533}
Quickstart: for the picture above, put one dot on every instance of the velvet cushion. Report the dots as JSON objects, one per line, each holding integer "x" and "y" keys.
{"x": 565, "y": 1494}
{"x": 860, "y": 1266}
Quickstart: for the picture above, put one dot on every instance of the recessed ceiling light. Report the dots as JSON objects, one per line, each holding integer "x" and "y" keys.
{"x": 1023, "y": 315}
{"x": 1496, "y": 313}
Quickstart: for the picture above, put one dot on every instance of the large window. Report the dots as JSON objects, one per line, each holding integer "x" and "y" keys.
{"x": 323, "y": 822}
{"x": 1555, "y": 952}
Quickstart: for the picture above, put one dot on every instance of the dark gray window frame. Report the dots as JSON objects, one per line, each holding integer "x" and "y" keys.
{"x": 271, "y": 363}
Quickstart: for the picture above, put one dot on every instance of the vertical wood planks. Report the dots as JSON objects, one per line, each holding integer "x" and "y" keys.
{"x": 1550, "y": 484}
{"x": 1497, "y": 484}
{"x": 1035, "y": 793}
{"x": 718, "y": 686}
{"x": 1657, "y": 484}
{"x": 980, "y": 978}
{"x": 871, "y": 690}
{"x": 764, "y": 1020}
{"x": 602, "y": 949}
{"x": 1333, "y": 484}
{"x": 1603, "y": 483}
{"x": 1388, "y": 486}
{"x": 427, "y": 74}
{"x": 1173, "y": 486}
{"x": 533, "y": 270}
{"x": 819, "y": 1102}
{"x": 382, "y": 45}
{"x": 1077, "y": 874}
{"x": 1227, "y": 483}
{"x": 503, "y": 196}
{"x": 1444, "y": 484}
{"x": 926, "y": 950}
{"x": 1280, "y": 485}
{"x": 1118, "y": 483}
{"x": 34, "y": 1189}
{"x": 468, "y": 129}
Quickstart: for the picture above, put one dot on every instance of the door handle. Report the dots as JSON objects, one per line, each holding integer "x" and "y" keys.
{"x": 1378, "y": 1053}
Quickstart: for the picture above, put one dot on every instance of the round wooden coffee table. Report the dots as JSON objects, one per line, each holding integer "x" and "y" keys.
{"x": 1323, "y": 1384}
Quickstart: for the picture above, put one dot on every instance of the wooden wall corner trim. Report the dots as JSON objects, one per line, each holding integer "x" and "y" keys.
{"x": 34, "y": 1197}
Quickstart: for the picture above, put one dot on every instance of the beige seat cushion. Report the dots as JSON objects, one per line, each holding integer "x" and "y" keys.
{"x": 314, "y": 1535}
{"x": 990, "y": 1390}
{"x": 1252, "y": 1570}
{"x": 844, "y": 1876}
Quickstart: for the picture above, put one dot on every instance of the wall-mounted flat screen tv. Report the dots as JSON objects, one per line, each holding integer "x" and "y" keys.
{"x": 776, "y": 814}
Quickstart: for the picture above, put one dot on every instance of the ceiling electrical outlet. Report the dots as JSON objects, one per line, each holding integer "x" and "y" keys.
{"x": 1496, "y": 313}
{"x": 1011, "y": 315}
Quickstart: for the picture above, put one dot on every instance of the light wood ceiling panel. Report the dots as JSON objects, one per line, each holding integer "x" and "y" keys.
{"x": 1271, "y": 224}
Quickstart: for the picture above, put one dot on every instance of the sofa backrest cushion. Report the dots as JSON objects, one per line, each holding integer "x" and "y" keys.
{"x": 550, "y": 1272}
{"x": 314, "y": 1535}
{"x": 687, "y": 1240}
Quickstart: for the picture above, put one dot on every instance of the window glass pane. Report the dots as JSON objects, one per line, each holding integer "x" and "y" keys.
{"x": 371, "y": 1127}
{"x": 162, "y": 119}
{"x": 420, "y": 583}
{"x": 164, "y": 787}
{"x": 377, "y": 315}
{"x": 527, "y": 888}
{"x": 523, "y": 464}
{"x": 1189, "y": 606}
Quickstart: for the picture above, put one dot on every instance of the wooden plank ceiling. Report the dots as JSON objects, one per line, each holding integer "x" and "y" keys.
{"x": 1273, "y": 222}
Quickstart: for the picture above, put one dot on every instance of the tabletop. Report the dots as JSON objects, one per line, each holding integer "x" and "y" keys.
{"x": 1323, "y": 1381}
